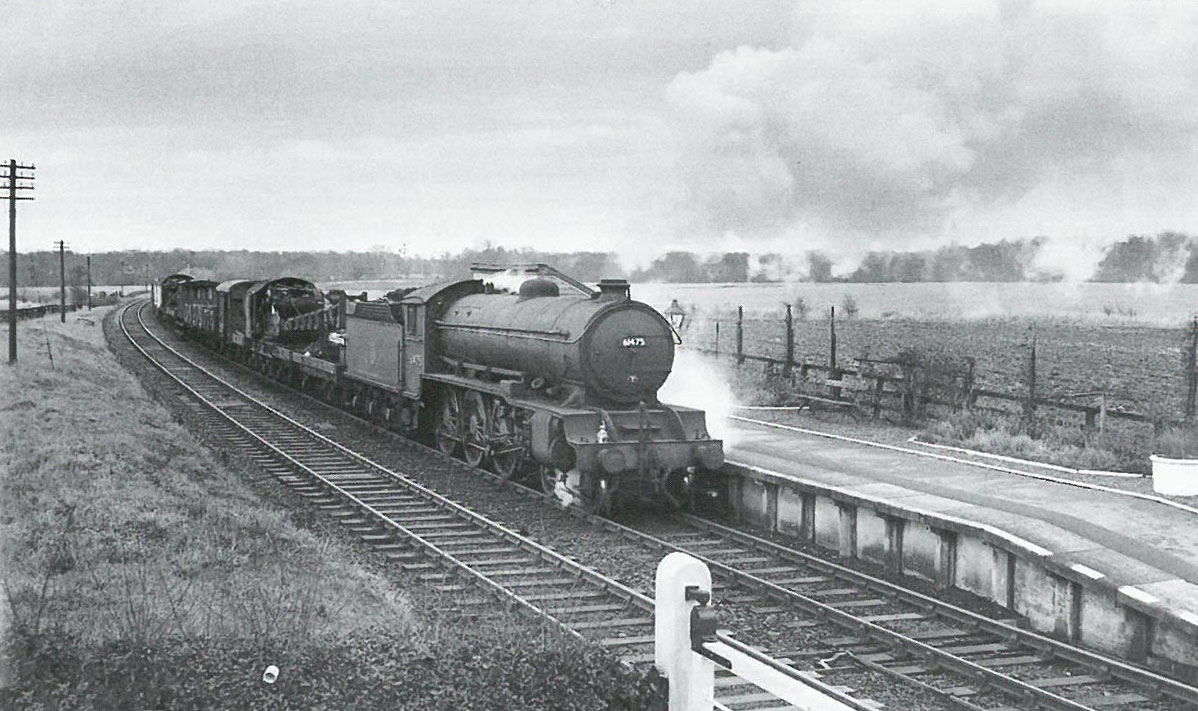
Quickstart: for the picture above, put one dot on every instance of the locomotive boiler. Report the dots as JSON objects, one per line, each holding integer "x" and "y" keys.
{"x": 610, "y": 349}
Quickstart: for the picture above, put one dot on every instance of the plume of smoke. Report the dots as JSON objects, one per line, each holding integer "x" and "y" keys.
{"x": 883, "y": 123}
{"x": 1170, "y": 265}
{"x": 1073, "y": 260}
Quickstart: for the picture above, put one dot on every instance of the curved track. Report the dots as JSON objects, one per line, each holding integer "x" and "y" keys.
{"x": 451, "y": 546}
{"x": 849, "y": 623}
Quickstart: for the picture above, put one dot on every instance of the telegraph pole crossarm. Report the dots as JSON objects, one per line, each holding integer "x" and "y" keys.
{"x": 11, "y": 179}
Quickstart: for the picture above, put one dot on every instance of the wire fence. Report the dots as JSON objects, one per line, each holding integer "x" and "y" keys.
{"x": 1092, "y": 373}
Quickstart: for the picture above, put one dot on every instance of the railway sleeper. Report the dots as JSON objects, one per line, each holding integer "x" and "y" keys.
{"x": 397, "y": 509}
{"x": 386, "y": 493}
{"x": 381, "y": 487}
{"x": 386, "y": 537}
{"x": 744, "y": 558}
{"x": 629, "y": 641}
{"x": 899, "y": 617}
{"x": 611, "y": 623}
{"x": 567, "y": 595}
{"x": 361, "y": 525}
{"x": 776, "y": 570}
{"x": 847, "y": 604}
{"x": 415, "y": 517}
{"x": 502, "y": 561}
{"x": 506, "y": 572}
{"x": 450, "y": 540}
{"x": 546, "y": 582}
{"x": 591, "y": 609}
{"x": 440, "y": 528}
{"x": 753, "y": 697}
{"x": 481, "y": 551}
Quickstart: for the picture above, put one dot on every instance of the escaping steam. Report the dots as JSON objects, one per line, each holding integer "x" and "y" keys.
{"x": 696, "y": 381}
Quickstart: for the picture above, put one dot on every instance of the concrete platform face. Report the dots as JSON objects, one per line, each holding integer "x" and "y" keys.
{"x": 827, "y": 523}
{"x": 790, "y": 512}
{"x": 1116, "y": 573}
{"x": 921, "y": 552}
{"x": 872, "y": 537}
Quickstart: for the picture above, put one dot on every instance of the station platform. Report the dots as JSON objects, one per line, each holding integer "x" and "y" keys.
{"x": 1109, "y": 570}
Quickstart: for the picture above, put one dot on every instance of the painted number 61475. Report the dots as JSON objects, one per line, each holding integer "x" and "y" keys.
{"x": 633, "y": 342}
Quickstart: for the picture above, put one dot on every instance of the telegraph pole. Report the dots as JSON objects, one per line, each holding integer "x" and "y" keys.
{"x": 62, "y": 281}
{"x": 11, "y": 173}
{"x": 89, "y": 282}
{"x": 121, "y": 290}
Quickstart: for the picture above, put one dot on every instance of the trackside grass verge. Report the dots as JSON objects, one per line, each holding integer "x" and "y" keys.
{"x": 137, "y": 570}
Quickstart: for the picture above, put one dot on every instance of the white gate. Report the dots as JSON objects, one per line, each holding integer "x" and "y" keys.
{"x": 688, "y": 649}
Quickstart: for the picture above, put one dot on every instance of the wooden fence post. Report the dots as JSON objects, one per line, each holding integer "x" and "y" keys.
{"x": 740, "y": 335}
{"x": 790, "y": 342}
{"x": 1192, "y": 370}
{"x": 1101, "y": 413}
{"x": 1029, "y": 405}
{"x": 832, "y": 340}
{"x": 833, "y": 370}
{"x": 879, "y": 387}
{"x": 971, "y": 397}
{"x": 717, "y": 337}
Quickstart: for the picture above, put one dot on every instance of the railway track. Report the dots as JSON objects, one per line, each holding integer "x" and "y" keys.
{"x": 847, "y": 624}
{"x": 449, "y": 546}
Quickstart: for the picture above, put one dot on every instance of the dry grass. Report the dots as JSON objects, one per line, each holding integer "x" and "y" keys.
{"x": 117, "y": 525}
{"x": 1006, "y": 435}
{"x": 142, "y": 573}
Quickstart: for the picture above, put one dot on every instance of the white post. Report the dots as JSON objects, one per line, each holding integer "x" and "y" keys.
{"x": 691, "y": 677}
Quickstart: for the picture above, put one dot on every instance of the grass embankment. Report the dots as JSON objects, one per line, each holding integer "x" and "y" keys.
{"x": 141, "y": 571}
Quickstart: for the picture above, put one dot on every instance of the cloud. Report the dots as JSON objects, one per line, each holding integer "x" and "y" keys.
{"x": 893, "y": 122}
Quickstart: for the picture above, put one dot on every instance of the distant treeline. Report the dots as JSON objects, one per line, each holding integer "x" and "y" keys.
{"x": 140, "y": 267}
{"x": 1167, "y": 257}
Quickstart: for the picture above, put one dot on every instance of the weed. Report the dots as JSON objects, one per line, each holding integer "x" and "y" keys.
{"x": 801, "y": 309}
{"x": 849, "y": 306}
{"x": 1177, "y": 443}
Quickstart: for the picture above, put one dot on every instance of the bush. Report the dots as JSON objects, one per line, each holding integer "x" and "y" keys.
{"x": 1177, "y": 443}
{"x": 932, "y": 373}
{"x": 801, "y": 309}
{"x": 767, "y": 387}
{"x": 1007, "y": 435}
{"x": 849, "y": 306}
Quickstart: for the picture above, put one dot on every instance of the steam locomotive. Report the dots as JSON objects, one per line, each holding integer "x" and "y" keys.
{"x": 548, "y": 379}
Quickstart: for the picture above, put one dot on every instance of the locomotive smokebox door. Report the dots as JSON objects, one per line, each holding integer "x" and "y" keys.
{"x": 631, "y": 352}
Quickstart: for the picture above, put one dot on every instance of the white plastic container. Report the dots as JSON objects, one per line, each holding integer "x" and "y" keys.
{"x": 1177, "y": 477}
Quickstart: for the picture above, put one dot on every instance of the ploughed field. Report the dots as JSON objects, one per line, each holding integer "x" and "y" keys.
{"x": 1123, "y": 339}
{"x": 1141, "y": 368}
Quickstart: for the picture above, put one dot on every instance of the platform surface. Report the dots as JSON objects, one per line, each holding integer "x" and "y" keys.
{"x": 1132, "y": 541}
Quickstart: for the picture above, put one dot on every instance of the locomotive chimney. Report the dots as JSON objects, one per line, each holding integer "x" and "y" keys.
{"x": 613, "y": 290}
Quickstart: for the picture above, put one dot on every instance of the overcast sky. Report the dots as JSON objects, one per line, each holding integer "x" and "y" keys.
{"x": 626, "y": 125}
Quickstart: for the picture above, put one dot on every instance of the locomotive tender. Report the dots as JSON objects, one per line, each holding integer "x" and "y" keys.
{"x": 551, "y": 380}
